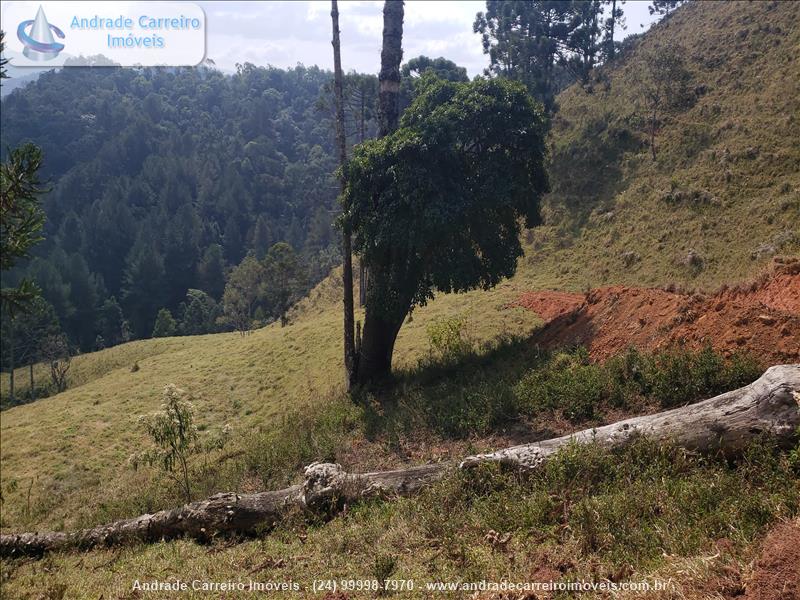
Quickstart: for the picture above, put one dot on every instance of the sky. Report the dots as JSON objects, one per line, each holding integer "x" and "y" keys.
{"x": 286, "y": 33}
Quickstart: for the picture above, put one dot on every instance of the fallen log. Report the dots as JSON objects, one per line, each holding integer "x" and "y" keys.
{"x": 727, "y": 423}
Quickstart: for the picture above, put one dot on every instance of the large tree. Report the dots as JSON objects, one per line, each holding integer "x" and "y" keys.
{"x": 347, "y": 251}
{"x": 547, "y": 44}
{"x": 439, "y": 203}
{"x": 244, "y": 290}
{"x": 285, "y": 278}
{"x": 524, "y": 40}
{"x": 21, "y": 214}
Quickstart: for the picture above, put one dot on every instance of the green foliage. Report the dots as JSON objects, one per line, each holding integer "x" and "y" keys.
{"x": 664, "y": 85}
{"x": 211, "y": 272}
{"x": 276, "y": 454}
{"x": 110, "y": 322}
{"x": 516, "y": 383}
{"x": 200, "y": 314}
{"x": 437, "y": 204}
{"x": 22, "y": 342}
{"x": 447, "y": 338}
{"x": 174, "y": 436}
{"x": 628, "y": 506}
{"x": 546, "y": 44}
{"x": 285, "y": 280}
{"x": 664, "y": 7}
{"x": 681, "y": 377}
{"x": 269, "y": 286}
{"x": 415, "y": 68}
{"x": 165, "y": 324}
{"x": 242, "y": 292}
{"x": 568, "y": 384}
{"x": 144, "y": 292}
{"x": 21, "y": 219}
{"x": 184, "y": 168}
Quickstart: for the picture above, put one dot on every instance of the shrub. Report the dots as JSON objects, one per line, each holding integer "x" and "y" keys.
{"x": 448, "y": 339}
{"x": 174, "y": 436}
{"x": 569, "y": 384}
{"x": 682, "y": 376}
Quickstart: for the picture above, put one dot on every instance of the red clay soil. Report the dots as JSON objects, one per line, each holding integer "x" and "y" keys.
{"x": 762, "y": 317}
{"x": 776, "y": 573}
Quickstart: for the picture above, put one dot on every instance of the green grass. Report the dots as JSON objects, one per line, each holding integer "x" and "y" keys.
{"x": 590, "y": 514}
{"x": 440, "y": 406}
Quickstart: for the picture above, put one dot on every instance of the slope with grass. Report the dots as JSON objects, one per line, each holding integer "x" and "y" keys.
{"x": 725, "y": 186}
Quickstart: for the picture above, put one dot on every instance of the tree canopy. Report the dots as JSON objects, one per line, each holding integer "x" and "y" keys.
{"x": 439, "y": 204}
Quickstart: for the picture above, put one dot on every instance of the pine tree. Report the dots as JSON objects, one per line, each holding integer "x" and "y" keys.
{"x": 110, "y": 322}
{"x": 261, "y": 237}
{"x": 284, "y": 280}
{"x": 143, "y": 287}
{"x": 211, "y": 272}
{"x": 165, "y": 325}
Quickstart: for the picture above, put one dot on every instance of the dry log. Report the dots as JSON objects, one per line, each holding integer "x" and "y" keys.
{"x": 727, "y": 423}
{"x": 326, "y": 488}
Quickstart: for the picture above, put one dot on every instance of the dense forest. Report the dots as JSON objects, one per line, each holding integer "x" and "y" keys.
{"x": 164, "y": 179}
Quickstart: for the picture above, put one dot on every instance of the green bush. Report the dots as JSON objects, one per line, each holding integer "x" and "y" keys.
{"x": 570, "y": 385}
{"x": 448, "y": 340}
{"x": 682, "y": 376}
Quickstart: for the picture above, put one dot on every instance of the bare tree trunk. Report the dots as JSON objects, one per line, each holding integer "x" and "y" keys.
{"x": 347, "y": 249}
{"x": 11, "y": 359}
{"x": 653, "y": 122}
{"x": 612, "y": 48}
{"x": 377, "y": 344}
{"x": 727, "y": 423}
{"x": 391, "y": 57}
{"x": 362, "y": 284}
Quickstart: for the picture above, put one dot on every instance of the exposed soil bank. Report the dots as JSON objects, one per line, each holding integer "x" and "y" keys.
{"x": 761, "y": 317}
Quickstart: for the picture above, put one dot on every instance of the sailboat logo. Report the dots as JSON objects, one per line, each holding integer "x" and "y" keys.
{"x": 37, "y": 37}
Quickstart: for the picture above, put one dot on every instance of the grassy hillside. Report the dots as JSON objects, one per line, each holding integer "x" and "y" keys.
{"x": 726, "y": 182}
{"x": 725, "y": 185}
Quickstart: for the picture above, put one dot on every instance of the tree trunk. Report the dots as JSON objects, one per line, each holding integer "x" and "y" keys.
{"x": 389, "y": 77}
{"x": 362, "y": 284}
{"x": 611, "y": 47}
{"x": 727, "y": 423}
{"x": 11, "y": 360}
{"x": 653, "y": 122}
{"x": 380, "y": 333}
{"x": 377, "y": 347}
{"x": 347, "y": 249}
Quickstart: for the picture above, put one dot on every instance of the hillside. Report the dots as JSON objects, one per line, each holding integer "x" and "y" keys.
{"x": 725, "y": 188}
